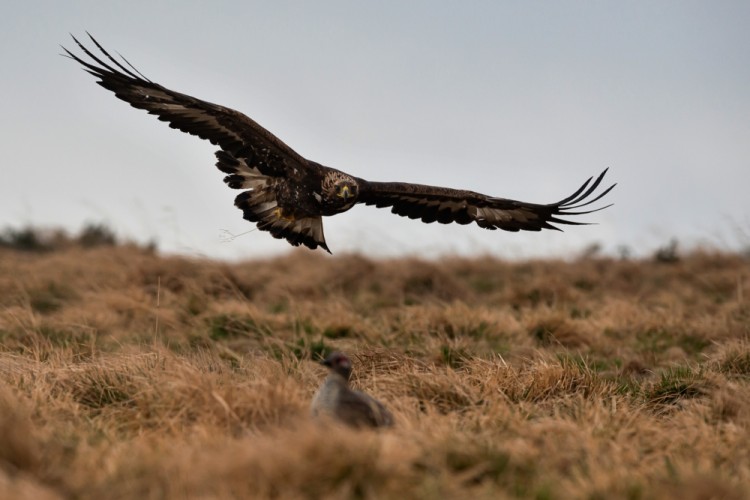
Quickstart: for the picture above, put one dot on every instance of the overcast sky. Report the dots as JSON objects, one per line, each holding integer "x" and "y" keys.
{"x": 522, "y": 100}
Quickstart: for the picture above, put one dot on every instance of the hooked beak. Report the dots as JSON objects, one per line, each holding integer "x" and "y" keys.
{"x": 345, "y": 193}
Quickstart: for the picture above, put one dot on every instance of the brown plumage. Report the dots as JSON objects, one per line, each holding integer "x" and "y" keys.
{"x": 335, "y": 399}
{"x": 287, "y": 195}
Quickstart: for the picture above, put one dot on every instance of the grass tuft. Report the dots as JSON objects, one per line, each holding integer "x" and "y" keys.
{"x": 675, "y": 385}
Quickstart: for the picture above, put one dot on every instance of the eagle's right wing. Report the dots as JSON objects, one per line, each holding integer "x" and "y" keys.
{"x": 252, "y": 157}
{"x": 231, "y": 130}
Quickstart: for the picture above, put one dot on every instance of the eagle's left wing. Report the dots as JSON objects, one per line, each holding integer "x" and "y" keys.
{"x": 446, "y": 205}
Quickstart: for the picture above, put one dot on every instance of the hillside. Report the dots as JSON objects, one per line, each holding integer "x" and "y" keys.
{"x": 126, "y": 374}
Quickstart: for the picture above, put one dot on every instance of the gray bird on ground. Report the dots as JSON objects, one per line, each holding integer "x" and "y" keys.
{"x": 335, "y": 399}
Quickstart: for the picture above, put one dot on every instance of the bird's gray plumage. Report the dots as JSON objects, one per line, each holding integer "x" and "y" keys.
{"x": 337, "y": 400}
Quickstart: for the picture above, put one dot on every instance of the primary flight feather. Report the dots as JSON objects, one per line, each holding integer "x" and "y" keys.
{"x": 287, "y": 195}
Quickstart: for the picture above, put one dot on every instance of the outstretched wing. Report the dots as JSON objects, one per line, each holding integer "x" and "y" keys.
{"x": 446, "y": 205}
{"x": 253, "y": 157}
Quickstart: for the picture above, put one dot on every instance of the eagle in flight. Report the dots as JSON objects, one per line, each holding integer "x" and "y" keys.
{"x": 287, "y": 195}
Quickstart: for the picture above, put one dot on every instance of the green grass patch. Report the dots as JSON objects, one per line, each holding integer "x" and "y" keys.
{"x": 224, "y": 326}
{"x": 676, "y": 383}
{"x": 50, "y": 298}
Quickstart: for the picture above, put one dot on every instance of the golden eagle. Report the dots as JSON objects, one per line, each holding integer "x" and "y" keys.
{"x": 287, "y": 195}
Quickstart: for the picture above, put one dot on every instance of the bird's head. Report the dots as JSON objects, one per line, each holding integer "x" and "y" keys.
{"x": 340, "y": 191}
{"x": 347, "y": 190}
{"x": 339, "y": 363}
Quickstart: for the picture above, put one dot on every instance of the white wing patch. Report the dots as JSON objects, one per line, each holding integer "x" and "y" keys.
{"x": 241, "y": 175}
{"x": 252, "y": 178}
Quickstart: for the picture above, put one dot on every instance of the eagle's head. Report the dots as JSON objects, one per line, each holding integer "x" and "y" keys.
{"x": 339, "y": 191}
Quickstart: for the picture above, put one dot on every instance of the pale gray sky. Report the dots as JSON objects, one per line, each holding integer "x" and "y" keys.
{"x": 516, "y": 99}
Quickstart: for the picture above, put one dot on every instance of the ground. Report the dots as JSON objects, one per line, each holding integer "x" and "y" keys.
{"x": 126, "y": 374}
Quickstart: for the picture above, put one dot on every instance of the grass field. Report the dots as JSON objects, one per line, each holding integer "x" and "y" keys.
{"x": 125, "y": 374}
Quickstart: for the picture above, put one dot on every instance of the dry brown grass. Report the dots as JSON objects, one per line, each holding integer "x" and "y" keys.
{"x": 129, "y": 375}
